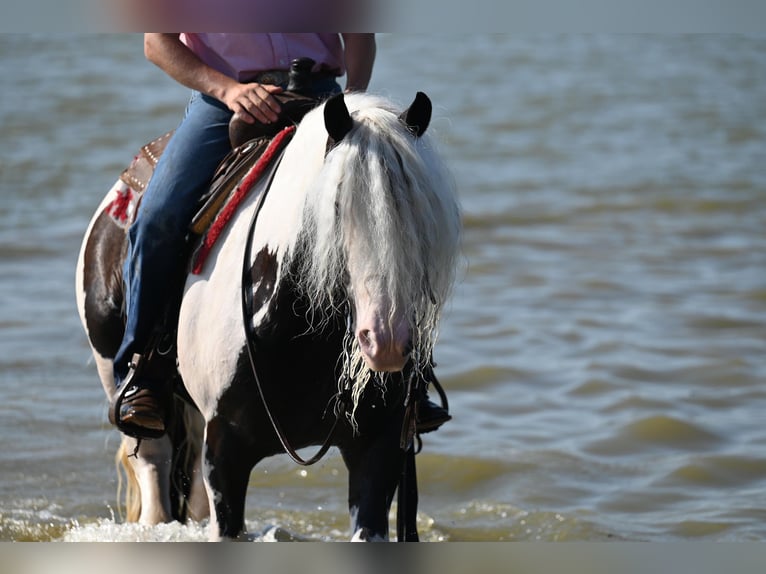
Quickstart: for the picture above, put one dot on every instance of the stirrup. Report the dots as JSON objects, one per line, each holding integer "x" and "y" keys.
{"x": 127, "y": 391}
{"x": 435, "y": 417}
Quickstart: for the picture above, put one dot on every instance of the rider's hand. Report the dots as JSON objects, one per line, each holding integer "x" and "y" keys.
{"x": 251, "y": 102}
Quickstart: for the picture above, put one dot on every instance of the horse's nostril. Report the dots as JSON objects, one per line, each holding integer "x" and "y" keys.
{"x": 364, "y": 337}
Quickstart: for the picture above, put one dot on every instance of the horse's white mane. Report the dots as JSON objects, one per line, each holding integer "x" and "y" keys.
{"x": 383, "y": 211}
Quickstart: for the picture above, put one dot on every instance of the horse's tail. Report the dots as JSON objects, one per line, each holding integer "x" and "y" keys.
{"x": 185, "y": 473}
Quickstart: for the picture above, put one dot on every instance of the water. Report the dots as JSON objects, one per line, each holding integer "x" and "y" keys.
{"x": 604, "y": 351}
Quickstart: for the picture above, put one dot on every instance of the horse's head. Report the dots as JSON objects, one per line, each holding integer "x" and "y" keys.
{"x": 381, "y": 327}
{"x": 381, "y": 230}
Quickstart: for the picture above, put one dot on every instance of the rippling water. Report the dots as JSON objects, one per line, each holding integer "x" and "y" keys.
{"x": 604, "y": 351}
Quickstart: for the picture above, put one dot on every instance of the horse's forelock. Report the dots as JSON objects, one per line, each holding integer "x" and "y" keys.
{"x": 384, "y": 213}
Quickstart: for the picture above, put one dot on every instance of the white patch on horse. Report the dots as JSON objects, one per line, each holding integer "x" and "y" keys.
{"x": 210, "y": 322}
{"x": 213, "y": 496}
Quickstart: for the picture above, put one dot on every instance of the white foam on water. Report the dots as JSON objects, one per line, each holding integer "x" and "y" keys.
{"x": 107, "y": 530}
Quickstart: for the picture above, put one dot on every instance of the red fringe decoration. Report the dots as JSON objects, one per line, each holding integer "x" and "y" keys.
{"x": 223, "y": 218}
{"x": 118, "y": 208}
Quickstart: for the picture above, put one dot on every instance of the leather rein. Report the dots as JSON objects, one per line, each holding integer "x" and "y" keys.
{"x": 250, "y": 336}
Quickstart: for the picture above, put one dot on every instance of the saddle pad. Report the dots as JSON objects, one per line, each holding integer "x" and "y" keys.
{"x": 122, "y": 209}
{"x": 133, "y": 181}
{"x": 135, "y": 178}
{"x": 139, "y": 172}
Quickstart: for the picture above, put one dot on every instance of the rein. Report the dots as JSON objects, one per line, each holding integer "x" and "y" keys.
{"x": 250, "y": 336}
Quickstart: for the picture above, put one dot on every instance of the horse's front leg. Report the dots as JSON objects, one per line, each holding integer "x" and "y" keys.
{"x": 374, "y": 467}
{"x": 227, "y": 465}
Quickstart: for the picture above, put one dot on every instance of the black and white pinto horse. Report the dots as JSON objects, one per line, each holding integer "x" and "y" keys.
{"x": 345, "y": 275}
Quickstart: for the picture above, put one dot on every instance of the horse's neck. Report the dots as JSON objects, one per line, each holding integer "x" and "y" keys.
{"x": 280, "y": 219}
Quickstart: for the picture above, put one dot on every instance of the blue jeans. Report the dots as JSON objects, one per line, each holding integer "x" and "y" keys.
{"x": 157, "y": 239}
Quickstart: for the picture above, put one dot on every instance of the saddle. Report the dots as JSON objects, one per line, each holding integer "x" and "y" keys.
{"x": 248, "y": 142}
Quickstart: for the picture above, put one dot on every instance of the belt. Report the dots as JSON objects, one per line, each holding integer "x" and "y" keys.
{"x": 282, "y": 77}
{"x": 272, "y": 77}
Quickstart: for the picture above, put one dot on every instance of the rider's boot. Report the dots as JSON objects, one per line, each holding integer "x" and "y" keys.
{"x": 141, "y": 406}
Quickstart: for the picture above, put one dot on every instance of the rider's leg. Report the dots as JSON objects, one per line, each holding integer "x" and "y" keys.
{"x": 157, "y": 245}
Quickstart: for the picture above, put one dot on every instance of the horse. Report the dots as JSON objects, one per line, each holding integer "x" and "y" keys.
{"x": 311, "y": 316}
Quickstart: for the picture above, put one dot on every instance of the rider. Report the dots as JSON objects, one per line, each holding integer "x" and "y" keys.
{"x": 230, "y": 74}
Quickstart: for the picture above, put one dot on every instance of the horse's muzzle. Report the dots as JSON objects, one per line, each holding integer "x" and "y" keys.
{"x": 383, "y": 349}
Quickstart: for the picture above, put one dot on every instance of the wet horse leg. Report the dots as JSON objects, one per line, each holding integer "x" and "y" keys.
{"x": 147, "y": 473}
{"x": 151, "y": 468}
{"x": 198, "y": 502}
{"x": 374, "y": 468}
{"x": 227, "y": 465}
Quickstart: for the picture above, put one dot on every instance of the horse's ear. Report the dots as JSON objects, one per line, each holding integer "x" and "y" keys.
{"x": 418, "y": 115}
{"x": 337, "y": 120}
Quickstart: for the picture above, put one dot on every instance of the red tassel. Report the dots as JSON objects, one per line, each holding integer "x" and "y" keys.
{"x": 118, "y": 208}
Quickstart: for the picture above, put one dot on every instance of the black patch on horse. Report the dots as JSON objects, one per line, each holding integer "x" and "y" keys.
{"x": 263, "y": 274}
{"x": 102, "y": 282}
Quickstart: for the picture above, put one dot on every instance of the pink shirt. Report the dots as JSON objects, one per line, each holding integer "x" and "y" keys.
{"x": 241, "y": 56}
